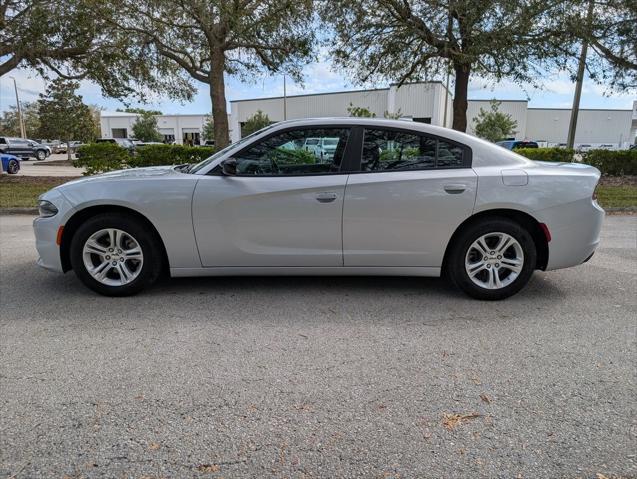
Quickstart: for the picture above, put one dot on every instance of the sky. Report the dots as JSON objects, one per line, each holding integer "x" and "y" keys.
{"x": 321, "y": 77}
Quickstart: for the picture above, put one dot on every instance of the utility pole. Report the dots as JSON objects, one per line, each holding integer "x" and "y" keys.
{"x": 444, "y": 121}
{"x": 285, "y": 101}
{"x": 570, "y": 142}
{"x": 23, "y": 133}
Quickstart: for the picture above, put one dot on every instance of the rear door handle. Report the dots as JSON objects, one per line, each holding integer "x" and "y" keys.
{"x": 326, "y": 197}
{"x": 455, "y": 188}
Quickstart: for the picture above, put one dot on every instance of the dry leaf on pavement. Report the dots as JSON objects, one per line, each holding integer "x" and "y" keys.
{"x": 451, "y": 421}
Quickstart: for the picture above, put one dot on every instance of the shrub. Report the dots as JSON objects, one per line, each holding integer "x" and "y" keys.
{"x": 561, "y": 155}
{"x": 609, "y": 162}
{"x": 159, "y": 155}
{"x": 613, "y": 163}
{"x": 101, "y": 157}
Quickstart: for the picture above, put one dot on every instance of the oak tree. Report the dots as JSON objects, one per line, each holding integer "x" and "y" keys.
{"x": 409, "y": 40}
{"x": 210, "y": 39}
{"x": 77, "y": 39}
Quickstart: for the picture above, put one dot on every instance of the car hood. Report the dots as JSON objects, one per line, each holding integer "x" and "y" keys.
{"x": 131, "y": 173}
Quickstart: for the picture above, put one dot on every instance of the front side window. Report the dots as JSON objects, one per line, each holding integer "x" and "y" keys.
{"x": 390, "y": 150}
{"x": 308, "y": 151}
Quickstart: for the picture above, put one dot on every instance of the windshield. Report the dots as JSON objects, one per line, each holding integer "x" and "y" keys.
{"x": 220, "y": 153}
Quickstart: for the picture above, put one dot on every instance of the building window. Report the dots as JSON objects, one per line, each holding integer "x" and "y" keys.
{"x": 119, "y": 133}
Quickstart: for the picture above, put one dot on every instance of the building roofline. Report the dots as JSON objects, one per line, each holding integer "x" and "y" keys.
{"x": 338, "y": 92}
{"x": 581, "y": 109}
{"x": 496, "y": 99}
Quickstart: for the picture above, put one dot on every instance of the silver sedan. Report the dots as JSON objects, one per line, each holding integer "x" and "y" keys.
{"x": 392, "y": 198}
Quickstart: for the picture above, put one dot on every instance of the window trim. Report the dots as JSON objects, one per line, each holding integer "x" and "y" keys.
{"x": 347, "y": 152}
{"x": 467, "y": 156}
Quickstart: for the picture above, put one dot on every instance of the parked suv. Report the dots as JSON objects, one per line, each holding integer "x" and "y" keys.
{"x": 24, "y": 149}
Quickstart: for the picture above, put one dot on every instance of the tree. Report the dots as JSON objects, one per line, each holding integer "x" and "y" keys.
{"x": 612, "y": 40}
{"x": 360, "y": 111}
{"x": 401, "y": 40}
{"x": 77, "y": 39}
{"x": 393, "y": 116}
{"x": 145, "y": 128}
{"x": 210, "y": 38}
{"x": 9, "y": 125}
{"x": 209, "y": 129}
{"x": 255, "y": 123}
{"x": 64, "y": 115}
{"x": 494, "y": 125}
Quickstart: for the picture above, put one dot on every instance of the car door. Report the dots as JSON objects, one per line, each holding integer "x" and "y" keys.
{"x": 410, "y": 194}
{"x": 19, "y": 147}
{"x": 282, "y": 208}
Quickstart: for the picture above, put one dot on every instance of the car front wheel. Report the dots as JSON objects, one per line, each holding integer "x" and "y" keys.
{"x": 40, "y": 155}
{"x": 115, "y": 255}
{"x": 492, "y": 259}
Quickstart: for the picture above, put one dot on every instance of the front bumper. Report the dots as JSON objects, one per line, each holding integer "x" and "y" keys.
{"x": 46, "y": 232}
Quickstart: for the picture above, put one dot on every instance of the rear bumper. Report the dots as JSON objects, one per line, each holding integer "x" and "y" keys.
{"x": 575, "y": 229}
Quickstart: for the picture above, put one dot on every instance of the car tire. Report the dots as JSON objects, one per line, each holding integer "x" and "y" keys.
{"x": 40, "y": 155}
{"x": 104, "y": 254}
{"x": 492, "y": 259}
{"x": 13, "y": 167}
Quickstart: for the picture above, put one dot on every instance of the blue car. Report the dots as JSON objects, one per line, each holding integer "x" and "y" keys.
{"x": 514, "y": 144}
{"x": 10, "y": 164}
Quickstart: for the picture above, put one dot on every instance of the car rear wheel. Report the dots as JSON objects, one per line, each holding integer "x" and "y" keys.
{"x": 40, "y": 155}
{"x": 13, "y": 167}
{"x": 492, "y": 259}
{"x": 115, "y": 255}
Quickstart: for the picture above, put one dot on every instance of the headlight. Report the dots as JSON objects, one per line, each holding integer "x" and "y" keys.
{"x": 46, "y": 209}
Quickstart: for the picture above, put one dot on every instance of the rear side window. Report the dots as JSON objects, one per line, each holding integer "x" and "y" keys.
{"x": 391, "y": 150}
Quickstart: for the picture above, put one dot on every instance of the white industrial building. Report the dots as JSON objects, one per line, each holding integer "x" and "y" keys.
{"x": 423, "y": 102}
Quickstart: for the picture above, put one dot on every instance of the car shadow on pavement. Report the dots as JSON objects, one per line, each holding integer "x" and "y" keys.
{"x": 390, "y": 288}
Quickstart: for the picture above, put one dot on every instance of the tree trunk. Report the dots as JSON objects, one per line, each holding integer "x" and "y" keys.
{"x": 218, "y": 98}
{"x": 460, "y": 96}
{"x": 68, "y": 150}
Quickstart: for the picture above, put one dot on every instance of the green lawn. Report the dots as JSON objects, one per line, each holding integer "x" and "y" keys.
{"x": 23, "y": 191}
{"x": 617, "y": 196}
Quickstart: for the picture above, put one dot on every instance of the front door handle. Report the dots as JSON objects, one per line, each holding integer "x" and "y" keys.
{"x": 455, "y": 188}
{"x": 326, "y": 197}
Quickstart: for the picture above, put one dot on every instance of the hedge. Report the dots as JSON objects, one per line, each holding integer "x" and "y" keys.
{"x": 609, "y": 162}
{"x": 103, "y": 157}
{"x": 159, "y": 155}
{"x": 613, "y": 163}
{"x": 561, "y": 155}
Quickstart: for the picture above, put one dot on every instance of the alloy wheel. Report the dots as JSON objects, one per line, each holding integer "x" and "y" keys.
{"x": 113, "y": 257}
{"x": 494, "y": 260}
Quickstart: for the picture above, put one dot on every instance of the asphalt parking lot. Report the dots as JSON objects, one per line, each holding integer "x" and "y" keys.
{"x": 319, "y": 377}
{"x": 45, "y": 168}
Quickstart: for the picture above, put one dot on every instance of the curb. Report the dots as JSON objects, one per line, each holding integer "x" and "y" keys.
{"x": 621, "y": 209}
{"x": 19, "y": 211}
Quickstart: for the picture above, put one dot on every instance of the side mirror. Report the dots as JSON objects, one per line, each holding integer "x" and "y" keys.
{"x": 229, "y": 167}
